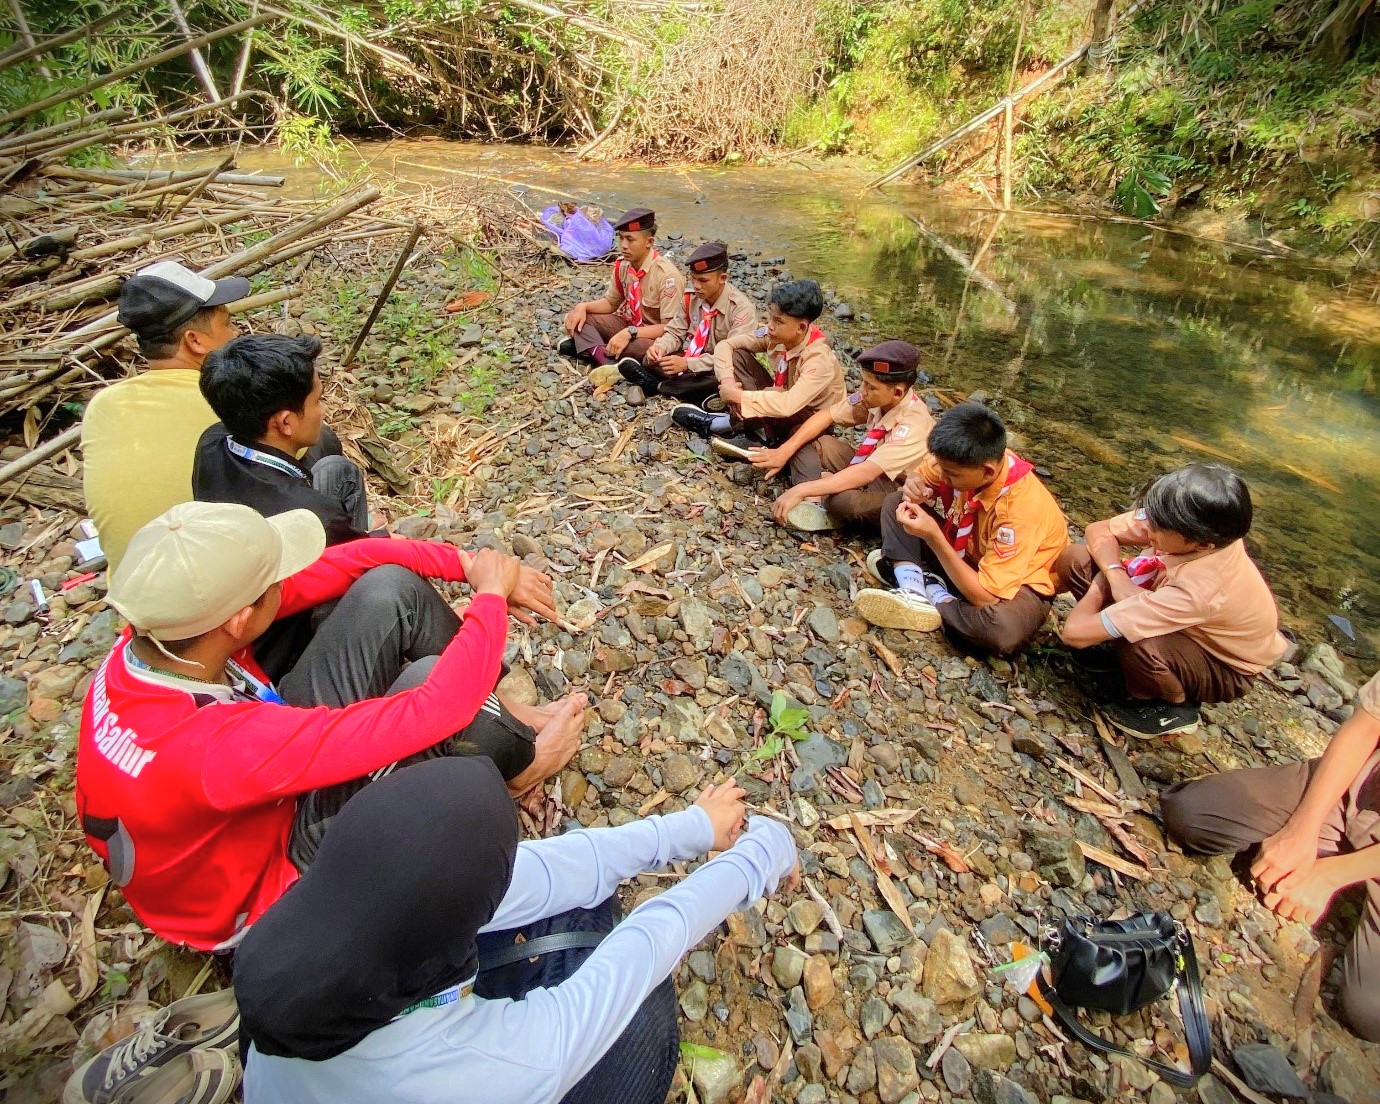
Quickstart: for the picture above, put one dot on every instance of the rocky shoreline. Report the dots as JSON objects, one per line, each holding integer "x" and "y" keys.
{"x": 685, "y": 609}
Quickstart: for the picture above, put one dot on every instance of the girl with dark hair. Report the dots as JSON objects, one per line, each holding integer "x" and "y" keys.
{"x": 1190, "y": 618}
{"x": 360, "y": 983}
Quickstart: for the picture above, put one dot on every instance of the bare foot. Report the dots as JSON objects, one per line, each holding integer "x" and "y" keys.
{"x": 557, "y": 742}
{"x": 534, "y": 716}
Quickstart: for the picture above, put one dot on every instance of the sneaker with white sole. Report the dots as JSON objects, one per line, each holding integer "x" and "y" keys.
{"x": 897, "y": 609}
{"x": 1148, "y": 719}
{"x": 118, "y": 1074}
{"x": 809, "y": 517}
{"x": 732, "y": 448}
{"x": 879, "y": 567}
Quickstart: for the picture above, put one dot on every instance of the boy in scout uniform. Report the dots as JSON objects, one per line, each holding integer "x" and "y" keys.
{"x": 985, "y": 567}
{"x": 805, "y": 376}
{"x": 1190, "y": 618}
{"x": 854, "y": 482}
{"x": 680, "y": 362}
{"x": 645, "y": 290}
{"x": 1312, "y": 830}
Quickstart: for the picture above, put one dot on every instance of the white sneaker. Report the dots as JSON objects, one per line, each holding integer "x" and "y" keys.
{"x": 809, "y": 517}
{"x": 897, "y": 609}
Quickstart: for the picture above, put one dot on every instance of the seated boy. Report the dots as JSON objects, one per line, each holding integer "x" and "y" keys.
{"x": 205, "y": 788}
{"x": 853, "y": 483}
{"x": 805, "y": 375}
{"x": 681, "y": 361}
{"x": 139, "y": 435}
{"x": 1315, "y": 828}
{"x": 1191, "y": 619}
{"x": 644, "y": 292}
{"x": 985, "y": 567}
{"x": 266, "y": 392}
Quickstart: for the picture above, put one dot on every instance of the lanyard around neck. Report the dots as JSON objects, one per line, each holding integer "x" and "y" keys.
{"x": 267, "y": 459}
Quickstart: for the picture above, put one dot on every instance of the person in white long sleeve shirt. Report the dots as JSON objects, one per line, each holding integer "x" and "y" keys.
{"x": 358, "y": 984}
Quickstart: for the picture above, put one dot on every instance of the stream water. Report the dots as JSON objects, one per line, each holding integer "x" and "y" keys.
{"x": 1115, "y": 352}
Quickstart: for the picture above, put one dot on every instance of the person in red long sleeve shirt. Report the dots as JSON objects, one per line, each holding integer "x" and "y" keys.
{"x": 204, "y": 787}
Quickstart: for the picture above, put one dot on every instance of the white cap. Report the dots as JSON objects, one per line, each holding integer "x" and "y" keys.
{"x": 192, "y": 568}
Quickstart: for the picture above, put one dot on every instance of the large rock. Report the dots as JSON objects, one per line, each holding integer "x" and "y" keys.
{"x": 715, "y": 1078}
{"x": 678, "y": 773}
{"x": 1056, "y": 853}
{"x": 1266, "y": 1070}
{"x": 949, "y": 979}
{"x": 885, "y": 930}
{"x": 896, "y": 1073}
{"x": 697, "y": 619}
{"x": 816, "y": 754}
{"x": 984, "y": 1051}
{"x": 920, "y": 1018}
{"x": 819, "y": 982}
{"x": 788, "y": 966}
{"x": 993, "y": 1088}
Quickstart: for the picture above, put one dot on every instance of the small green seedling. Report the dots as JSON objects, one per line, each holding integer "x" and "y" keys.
{"x": 700, "y": 1051}
{"x": 787, "y": 720}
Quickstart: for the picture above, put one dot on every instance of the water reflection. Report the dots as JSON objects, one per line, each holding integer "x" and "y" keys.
{"x": 1117, "y": 354}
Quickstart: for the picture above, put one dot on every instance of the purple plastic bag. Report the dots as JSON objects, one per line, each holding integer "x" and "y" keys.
{"x": 576, "y": 236}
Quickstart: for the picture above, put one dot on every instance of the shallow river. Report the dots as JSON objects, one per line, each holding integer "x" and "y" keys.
{"x": 1116, "y": 353}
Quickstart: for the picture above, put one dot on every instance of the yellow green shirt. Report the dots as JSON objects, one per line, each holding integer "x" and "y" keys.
{"x": 138, "y": 441}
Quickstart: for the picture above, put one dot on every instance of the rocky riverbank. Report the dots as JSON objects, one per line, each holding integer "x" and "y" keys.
{"x": 946, "y": 808}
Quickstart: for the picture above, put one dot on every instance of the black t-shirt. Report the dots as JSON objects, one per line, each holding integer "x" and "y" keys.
{"x": 272, "y": 487}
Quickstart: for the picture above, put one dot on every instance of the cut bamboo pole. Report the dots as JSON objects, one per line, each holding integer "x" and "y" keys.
{"x": 59, "y": 444}
{"x": 66, "y": 39}
{"x": 129, "y": 70}
{"x": 27, "y": 36}
{"x": 161, "y": 232}
{"x": 387, "y": 290}
{"x": 203, "y": 74}
{"x": 26, "y": 138}
{"x": 242, "y": 66}
{"x": 122, "y": 176}
{"x": 200, "y": 185}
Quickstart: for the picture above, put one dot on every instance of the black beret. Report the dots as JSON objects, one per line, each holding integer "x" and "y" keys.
{"x": 710, "y": 257}
{"x": 639, "y": 218}
{"x": 891, "y": 358}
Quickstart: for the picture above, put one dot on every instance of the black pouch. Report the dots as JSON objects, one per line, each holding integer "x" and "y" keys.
{"x": 1120, "y": 966}
{"x": 514, "y": 962}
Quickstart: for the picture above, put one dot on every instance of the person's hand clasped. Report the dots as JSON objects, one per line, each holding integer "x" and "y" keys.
{"x": 575, "y": 320}
{"x": 917, "y": 521}
{"x": 727, "y": 812}
{"x": 768, "y": 461}
{"x": 731, "y": 391}
{"x": 1285, "y": 853}
{"x": 618, "y": 342}
{"x": 673, "y": 364}
{"x": 916, "y": 489}
{"x": 1304, "y": 896}
{"x": 491, "y": 572}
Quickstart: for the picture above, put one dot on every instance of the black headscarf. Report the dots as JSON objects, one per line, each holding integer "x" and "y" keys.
{"x": 415, "y": 864}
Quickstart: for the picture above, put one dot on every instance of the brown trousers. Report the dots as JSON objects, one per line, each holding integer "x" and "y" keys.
{"x": 1233, "y": 812}
{"x": 749, "y": 371}
{"x": 1003, "y": 628}
{"x": 862, "y": 505}
{"x": 1172, "y": 667}
{"x": 597, "y": 330}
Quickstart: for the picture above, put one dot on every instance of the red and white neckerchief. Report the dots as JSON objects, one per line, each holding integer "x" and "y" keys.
{"x": 631, "y": 285}
{"x": 1144, "y": 569}
{"x": 871, "y": 440}
{"x": 962, "y": 515}
{"x": 781, "y": 361}
{"x": 696, "y": 342}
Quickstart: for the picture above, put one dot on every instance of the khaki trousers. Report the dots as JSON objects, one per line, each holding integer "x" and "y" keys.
{"x": 597, "y": 330}
{"x": 863, "y": 505}
{"x": 1172, "y": 667}
{"x": 749, "y": 371}
{"x": 1234, "y": 811}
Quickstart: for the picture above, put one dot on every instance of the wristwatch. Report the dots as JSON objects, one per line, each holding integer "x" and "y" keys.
{"x": 632, "y": 333}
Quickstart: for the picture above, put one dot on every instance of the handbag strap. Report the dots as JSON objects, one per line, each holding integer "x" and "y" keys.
{"x": 542, "y": 945}
{"x": 1197, "y": 1029}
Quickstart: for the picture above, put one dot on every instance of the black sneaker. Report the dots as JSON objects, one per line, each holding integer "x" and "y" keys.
{"x": 630, "y": 368}
{"x": 879, "y": 567}
{"x": 567, "y": 347}
{"x": 697, "y": 421}
{"x": 1147, "y": 719}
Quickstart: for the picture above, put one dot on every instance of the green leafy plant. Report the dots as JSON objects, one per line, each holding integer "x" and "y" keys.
{"x": 787, "y": 720}
{"x": 700, "y": 1051}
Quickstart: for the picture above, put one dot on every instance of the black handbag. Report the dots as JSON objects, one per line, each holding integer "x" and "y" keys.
{"x": 1120, "y": 966}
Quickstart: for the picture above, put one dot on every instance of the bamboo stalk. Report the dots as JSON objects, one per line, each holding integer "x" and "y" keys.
{"x": 120, "y": 176}
{"x": 203, "y": 74}
{"x": 138, "y": 127}
{"x": 200, "y": 185}
{"x": 129, "y": 70}
{"x": 27, "y": 37}
{"x": 154, "y": 234}
{"x": 25, "y": 138}
{"x": 65, "y": 39}
{"x": 61, "y": 443}
{"x": 387, "y": 290}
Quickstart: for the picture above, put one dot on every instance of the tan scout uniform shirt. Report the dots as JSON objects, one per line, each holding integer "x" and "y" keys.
{"x": 1217, "y": 599}
{"x": 1017, "y": 536}
{"x": 663, "y": 289}
{"x": 907, "y": 426}
{"x": 737, "y": 317}
{"x": 814, "y": 377}
{"x": 1361, "y": 803}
